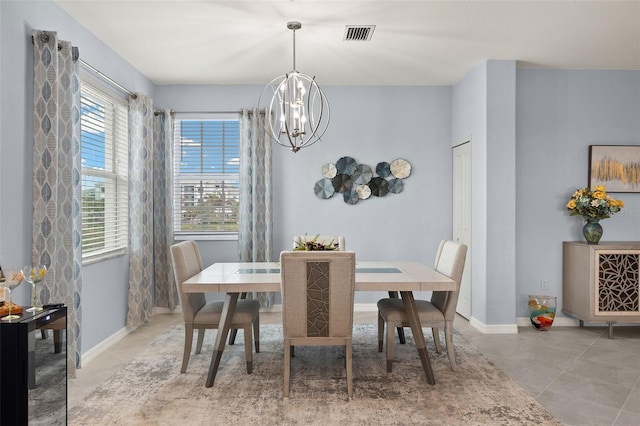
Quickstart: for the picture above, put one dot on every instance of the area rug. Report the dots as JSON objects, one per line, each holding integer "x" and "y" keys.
{"x": 151, "y": 391}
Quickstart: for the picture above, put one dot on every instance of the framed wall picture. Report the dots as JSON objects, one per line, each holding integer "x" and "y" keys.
{"x": 617, "y": 167}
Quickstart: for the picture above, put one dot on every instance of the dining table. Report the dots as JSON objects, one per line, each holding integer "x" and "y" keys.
{"x": 236, "y": 278}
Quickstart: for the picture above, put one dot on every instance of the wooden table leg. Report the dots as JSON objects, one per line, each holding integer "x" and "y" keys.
{"x": 416, "y": 328}
{"x": 394, "y": 295}
{"x": 230, "y": 302}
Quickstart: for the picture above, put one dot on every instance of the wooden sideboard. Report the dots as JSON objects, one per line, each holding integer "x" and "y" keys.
{"x": 601, "y": 282}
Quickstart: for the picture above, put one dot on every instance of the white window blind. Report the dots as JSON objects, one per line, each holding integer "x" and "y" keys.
{"x": 206, "y": 175}
{"x": 105, "y": 170}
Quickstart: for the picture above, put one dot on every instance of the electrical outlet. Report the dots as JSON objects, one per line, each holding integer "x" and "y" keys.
{"x": 544, "y": 285}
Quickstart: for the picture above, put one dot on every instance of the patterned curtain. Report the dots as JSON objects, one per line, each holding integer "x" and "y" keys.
{"x": 140, "y": 210}
{"x": 57, "y": 208}
{"x": 255, "y": 235}
{"x": 165, "y": 289}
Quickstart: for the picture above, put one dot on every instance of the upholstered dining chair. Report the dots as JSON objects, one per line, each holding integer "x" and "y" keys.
{"x": 317, "y": 303}
{"x": 437, "y": 313}
{"x": 200, "y": 315}
{"x": 299, "y": 240}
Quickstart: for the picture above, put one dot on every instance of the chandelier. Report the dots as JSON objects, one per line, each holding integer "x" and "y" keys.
{"x": 298, "y": 113}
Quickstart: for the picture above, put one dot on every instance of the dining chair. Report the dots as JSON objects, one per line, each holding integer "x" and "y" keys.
{"x": 300, "y": 240}
{"x": 200, "y": 315}
{"x": 437, "y": 313}
{"x": 317, "y": 303}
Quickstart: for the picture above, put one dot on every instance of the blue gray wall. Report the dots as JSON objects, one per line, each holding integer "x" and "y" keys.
{"x": 530, "y": 131}
{"x": 484, "y": 112}
{"x": 105, "y": 284}
{"x": 370, "y": 124}
{"x": 559, "y": 114}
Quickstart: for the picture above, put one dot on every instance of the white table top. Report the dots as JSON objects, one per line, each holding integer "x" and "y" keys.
{"x": 240, "y": 277}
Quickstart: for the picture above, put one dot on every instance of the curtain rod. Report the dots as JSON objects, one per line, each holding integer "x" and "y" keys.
{"x": 101, "y": 75}
{"x": 158, "y": 112}
{"x": 108, "y": 79}
{"x": 207, "y": 112}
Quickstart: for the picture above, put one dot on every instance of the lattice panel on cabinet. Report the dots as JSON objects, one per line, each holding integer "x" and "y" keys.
{"x": 618, "y": 282}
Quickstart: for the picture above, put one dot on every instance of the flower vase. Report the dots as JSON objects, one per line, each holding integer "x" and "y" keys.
{"x": 592, "y": 231}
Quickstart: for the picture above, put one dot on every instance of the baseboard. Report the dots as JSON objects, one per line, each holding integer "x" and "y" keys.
{"x": 493, "y": 328}
{"x": 95, "y": 351}
{"x": 365, "y": 307}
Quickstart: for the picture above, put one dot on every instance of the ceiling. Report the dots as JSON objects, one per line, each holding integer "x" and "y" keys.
{"x": 414, "y": 42}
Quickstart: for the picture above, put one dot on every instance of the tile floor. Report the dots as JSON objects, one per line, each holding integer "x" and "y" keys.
{"x": 580, "y": 375}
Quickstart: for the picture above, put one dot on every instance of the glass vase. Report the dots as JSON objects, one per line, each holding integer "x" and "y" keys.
{"x": 542, "y": 311}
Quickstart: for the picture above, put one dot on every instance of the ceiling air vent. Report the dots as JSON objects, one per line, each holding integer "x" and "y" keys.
{"x": 358, "y": 32}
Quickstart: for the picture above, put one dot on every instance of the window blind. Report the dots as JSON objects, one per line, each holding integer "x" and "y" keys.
{"x": 206, "y": 174}
{"x": 104, "y": 138}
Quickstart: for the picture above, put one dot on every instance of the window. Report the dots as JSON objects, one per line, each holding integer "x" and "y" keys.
{"x": 105, "y": 169}
{"x": 206, "y": 175}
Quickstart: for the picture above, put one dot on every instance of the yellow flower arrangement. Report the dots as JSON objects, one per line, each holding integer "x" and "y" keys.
{"x": 593, "y": 203}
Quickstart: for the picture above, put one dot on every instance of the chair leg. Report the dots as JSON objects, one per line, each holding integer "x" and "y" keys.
{"x": 448, "y": 335}
{"x": 232, "y": 336}
{"x": 401, "y": 335}
{"x": 188, "y": 339}
{"x": 436, "y": 339}
{"x": 256, "y": 333}
{"x": 234, "y": 331}
{"x": 344, "y": 363}
{"x": 389, "y": 347}
{"x": 248, "y": 352}
{"x": 200, "y": 340}
{"x": 287, "y": 367}
{"x": 394, "y": 295}
{"x": 57, "y": 341}
{"x": 380, "y": 331}
{"x": 349, "y": 357}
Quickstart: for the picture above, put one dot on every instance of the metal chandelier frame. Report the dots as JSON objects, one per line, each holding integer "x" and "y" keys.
{"x": 297, "y": 115}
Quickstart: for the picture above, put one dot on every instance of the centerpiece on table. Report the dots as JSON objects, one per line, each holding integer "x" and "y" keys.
{"x": 313, "y": 244}
{"x": 593, "y": 204}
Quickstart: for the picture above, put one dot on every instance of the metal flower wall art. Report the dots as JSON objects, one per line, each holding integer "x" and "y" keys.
{"x": 359, "y": 181}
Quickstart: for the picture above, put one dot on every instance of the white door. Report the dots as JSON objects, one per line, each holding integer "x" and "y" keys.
{"x": 462, "y": 218}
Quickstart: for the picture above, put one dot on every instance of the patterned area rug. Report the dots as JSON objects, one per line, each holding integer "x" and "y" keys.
{"x": 151, "y": 391}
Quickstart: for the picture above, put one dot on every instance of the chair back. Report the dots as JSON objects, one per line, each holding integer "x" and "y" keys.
{"x": 317, "y": 293}
{"x": 450, "y": 262}
{"x": 324, "y": 239}
{"x": 187, "y": 262}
